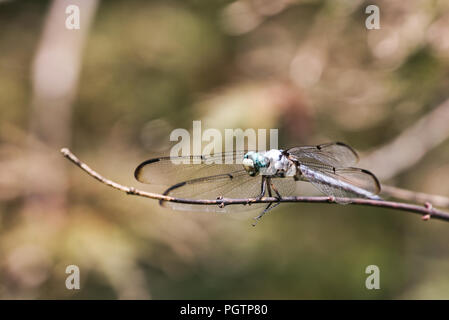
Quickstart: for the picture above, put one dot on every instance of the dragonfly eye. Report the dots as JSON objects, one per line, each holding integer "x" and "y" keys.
{"x": 249, "y": 166}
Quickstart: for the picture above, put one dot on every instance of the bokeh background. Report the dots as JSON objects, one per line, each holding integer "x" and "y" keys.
{"x": 115, "y": 89}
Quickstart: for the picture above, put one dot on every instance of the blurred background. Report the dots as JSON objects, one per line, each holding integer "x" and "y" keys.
{"x": 113, "y": 91}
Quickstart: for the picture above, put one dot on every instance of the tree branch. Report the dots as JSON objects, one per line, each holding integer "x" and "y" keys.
{"x": 416, "y": 197}
{"x": 427, "y": 211}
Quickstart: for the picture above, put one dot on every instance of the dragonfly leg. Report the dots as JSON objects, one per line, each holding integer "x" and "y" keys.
{"x": 271, "y": 205}
{"x": 268, "y": 208}
{"x": 263, "y": 188}
{"x": 278, "y": 195}
{"x": 272, "y": 187}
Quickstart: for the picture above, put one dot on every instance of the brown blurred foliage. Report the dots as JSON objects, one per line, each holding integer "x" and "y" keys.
{"x": 141, "y": 69}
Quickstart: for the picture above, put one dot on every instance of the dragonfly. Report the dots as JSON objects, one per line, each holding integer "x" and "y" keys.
{"x": 249, "y": 174}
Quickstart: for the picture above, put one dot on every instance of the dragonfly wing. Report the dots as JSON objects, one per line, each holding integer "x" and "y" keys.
{"x": 360, "y": 178}
{"x": 285, "y": 186}
{"x": 170, "y": 170}
{"x": 342, "y": 182}
{"x": 232, "y": 185}
{"x": 335, "y": 154}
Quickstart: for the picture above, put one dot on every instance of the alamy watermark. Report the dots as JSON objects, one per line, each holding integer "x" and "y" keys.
{"x": 72, "y": 20}
{"x": 373, "y": 280}
{"x": 72, "y": 282}
{"x": 234, "y": 140}
{"x": 373, "y": 20}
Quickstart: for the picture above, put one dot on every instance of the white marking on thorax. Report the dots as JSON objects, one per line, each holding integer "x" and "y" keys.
{"x": 279, "y": 164}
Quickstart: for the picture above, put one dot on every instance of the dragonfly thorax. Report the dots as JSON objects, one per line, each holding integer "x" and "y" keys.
{"x": 271, "y": 163}
{"x": 254, "y": 161}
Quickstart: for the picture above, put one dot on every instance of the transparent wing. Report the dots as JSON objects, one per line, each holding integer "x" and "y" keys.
{"x": 343, "y": 182}
{"x": 171, "y": 170}
{"x": 334, "y": 154}
{"x": 207, "y": 177}
{"x": 285, "y": 186}
{"x": 234, "y": 185}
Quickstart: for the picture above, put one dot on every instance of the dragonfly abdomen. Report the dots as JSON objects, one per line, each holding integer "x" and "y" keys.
{"x": 335, "y": 187}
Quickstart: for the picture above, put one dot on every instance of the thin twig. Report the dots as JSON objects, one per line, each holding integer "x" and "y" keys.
{"x": 426, "y": 211}
{"x": 416, "y": 197}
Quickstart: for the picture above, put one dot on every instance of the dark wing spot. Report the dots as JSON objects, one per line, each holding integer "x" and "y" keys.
{"x": 139, "y": 168}
{"x": 178, "y": 185}
{"x": 175, "y": 186}
{"x": 374, "y": 177}
{"x": 349, "y": 147}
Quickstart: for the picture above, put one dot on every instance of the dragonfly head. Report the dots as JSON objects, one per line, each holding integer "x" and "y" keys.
{"x": 253, "y": 161}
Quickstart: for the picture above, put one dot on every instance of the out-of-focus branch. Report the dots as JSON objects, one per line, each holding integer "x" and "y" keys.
{"x": 426, "y": 211}
{"x": 54, "y": 78}
{"x": 417, "y": 197}
{"x": 411, "y": 145}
